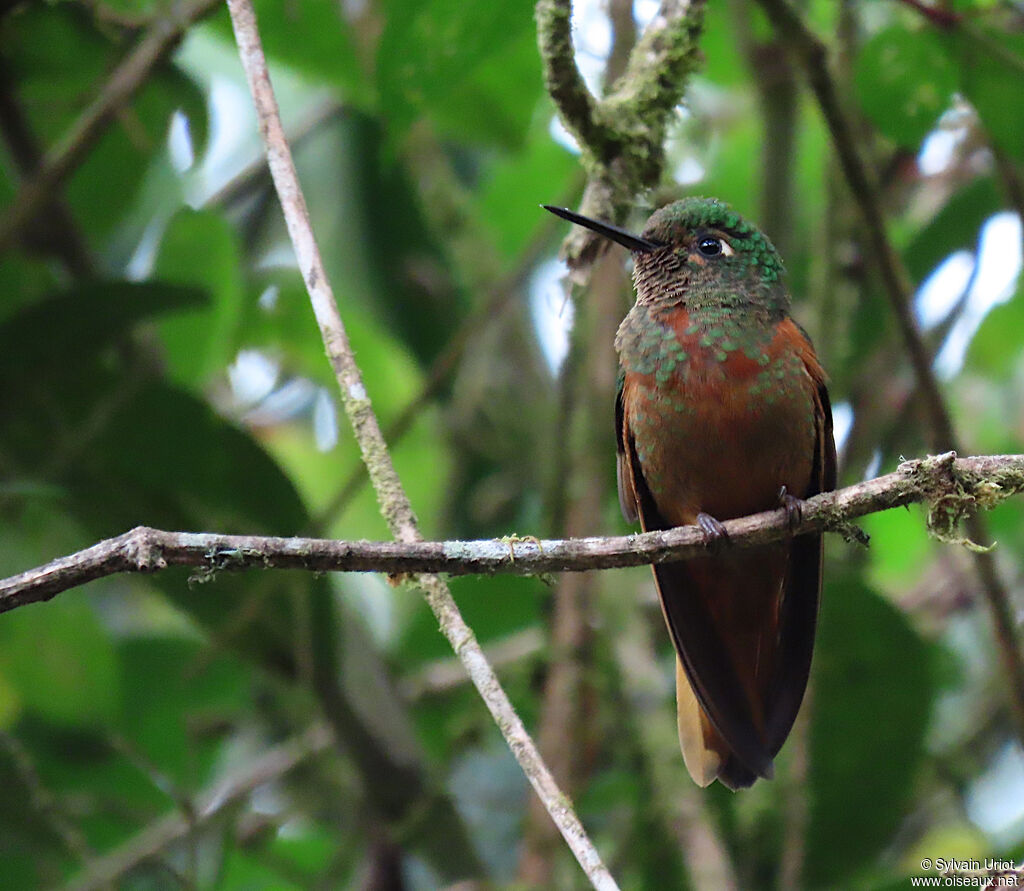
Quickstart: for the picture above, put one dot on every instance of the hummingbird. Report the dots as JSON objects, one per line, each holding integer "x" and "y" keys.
{"x": 722, "y": 410}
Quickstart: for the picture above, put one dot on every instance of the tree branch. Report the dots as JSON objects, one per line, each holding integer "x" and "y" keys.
{"x": 393, "y": 500}
{"x": 953, "y": 488}
{"x": 62, "y": 160}
{"x": 813, "y": 55}
{"x": 104, "y": 871}
{"x": 565, "y": 86}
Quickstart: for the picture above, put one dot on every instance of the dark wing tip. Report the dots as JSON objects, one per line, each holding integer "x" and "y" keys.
{"x": 709, "y": 670}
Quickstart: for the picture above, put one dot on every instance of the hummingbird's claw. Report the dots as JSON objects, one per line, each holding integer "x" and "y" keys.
{"x": 714, "y": 532}
{"x": 793, "y": 506}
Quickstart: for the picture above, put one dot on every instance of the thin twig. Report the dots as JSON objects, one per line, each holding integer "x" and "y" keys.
{"x": 394, "y": 503}
{"x": 64, "y": 158}
{"x": 813, "y": 55}
{"x": 952, "y": 486}
{"x": 102, "y": 872}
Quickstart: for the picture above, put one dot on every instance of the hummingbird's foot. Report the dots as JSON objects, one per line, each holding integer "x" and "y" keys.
{"x": 714, "y": 532}
{"x": 793, "y": 506}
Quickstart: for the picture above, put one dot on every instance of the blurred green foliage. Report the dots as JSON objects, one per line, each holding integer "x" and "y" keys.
{"x": 180, "y": 382}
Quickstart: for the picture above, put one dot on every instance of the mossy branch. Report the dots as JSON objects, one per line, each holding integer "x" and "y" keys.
{"x": 621, "y": 136}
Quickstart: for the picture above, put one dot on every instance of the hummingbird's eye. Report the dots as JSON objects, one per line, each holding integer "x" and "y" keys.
{"x": 710, "y": 246}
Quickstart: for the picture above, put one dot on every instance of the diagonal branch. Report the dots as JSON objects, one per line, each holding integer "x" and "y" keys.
{"x": 813, "y": 55}
{"x": 953, "y": 488}
{"x": 64, "y": 240}
{"x": 64, "y": 158}
{"x": 393, "y": 500}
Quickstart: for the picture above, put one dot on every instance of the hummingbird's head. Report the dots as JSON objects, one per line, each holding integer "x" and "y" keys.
{"x": 706, "y": 234}
{"x": 698, "y": 250}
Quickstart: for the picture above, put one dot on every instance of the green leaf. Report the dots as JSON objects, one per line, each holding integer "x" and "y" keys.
{"x": 991, "y": 71}
{"x": 176, "y": 695}
{"x": 955, "y": 226}
{"x": 53, "y": 334}
{"x": 514, "y": 184}
{"x": 488, "y": 50}
{"x": 200, "y": 248}
{"x": 23, "y": 280}
{"x": 311, "y": 37}
{"x": 900, "y": 546}
{"x": 904, "y": 81}
{"x": 995, "y": 347}
{"x": 75, "y": 765}
{"x": 61, "y": 663}
{"x": 872, "y": 697}
{"x": 723, "y": 63}
{"x": 60, "y": 355}
{"x": 496, "y": 105}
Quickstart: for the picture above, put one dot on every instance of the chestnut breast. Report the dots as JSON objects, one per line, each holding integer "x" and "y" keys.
{"x": 721, "y": 410}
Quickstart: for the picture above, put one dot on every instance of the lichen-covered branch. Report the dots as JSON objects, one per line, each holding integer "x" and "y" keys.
{"x": 572, "y": 98}
{"x": 951, "y": 487}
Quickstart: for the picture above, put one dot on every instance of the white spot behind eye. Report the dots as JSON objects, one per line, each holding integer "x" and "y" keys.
{"x": 727, "y": 250}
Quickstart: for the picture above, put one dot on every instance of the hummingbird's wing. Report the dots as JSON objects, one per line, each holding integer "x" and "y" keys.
{"x": 624, "y": 477}
{"x": 698, "y": 643}
{"x": 798, "y": 611}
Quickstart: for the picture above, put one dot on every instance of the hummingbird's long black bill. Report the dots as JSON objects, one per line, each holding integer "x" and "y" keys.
{"x": 621, "y": 236}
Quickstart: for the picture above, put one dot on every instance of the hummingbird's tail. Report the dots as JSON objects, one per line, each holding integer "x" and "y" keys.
{"x": 696, "y": 735}
{"x": 705, "y": 753}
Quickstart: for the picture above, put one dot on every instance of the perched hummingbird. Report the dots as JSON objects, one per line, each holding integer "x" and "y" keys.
{"x": 722, "y": 411}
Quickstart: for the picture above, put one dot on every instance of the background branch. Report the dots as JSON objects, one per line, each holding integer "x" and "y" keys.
{"x": 622, "y": 136}
{"x": 100, "y": 872}
{"x": 65, "y": 239}
{"x": 73, "y": 148}
{"x": 813, "y": 55}
{"x": 565, "y": 86}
